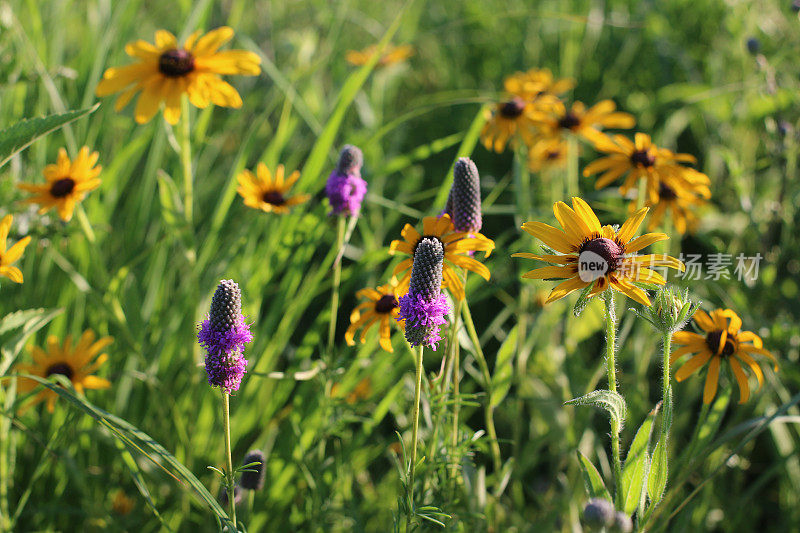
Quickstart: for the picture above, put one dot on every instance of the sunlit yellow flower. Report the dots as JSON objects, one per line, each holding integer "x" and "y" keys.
{"x": 166, "y": 71}
{"x": 583, "y": 122}
{"x": 722, "y": 341}
{"x": 68, "y": 182}
{"x": 548, "y": 152}
{"x": 679, "y": 196}
{"x": 534, "y": 83}
{"x": 361, "y": 391}
{"x": 380, "y": 307}
{"x": 262, "y": 191}
{"x": 8, "y": 256}
{"x": 121, "y": 503}
{"x": 612, "y": 253}
{"x": 642, "y": 159}
{"x": 457, "y": 248}
{"x": 507, "y": 121}
{"x": 73, "y": 362}
{"x": 391, "y": 55}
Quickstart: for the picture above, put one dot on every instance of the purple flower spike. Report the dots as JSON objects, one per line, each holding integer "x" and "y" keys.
{"x": 345, "y": 189}
{"x": 464, "y": 201}
{"x": 224, "y": 335}
{"x": 424, "y": 307}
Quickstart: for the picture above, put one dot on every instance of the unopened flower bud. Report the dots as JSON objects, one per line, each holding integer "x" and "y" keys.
{"x": 254, "y": 480}
{"x": 598, "y": 513}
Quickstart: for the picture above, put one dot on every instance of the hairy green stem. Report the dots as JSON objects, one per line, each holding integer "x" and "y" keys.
{"x": 611, "y": 368}
{"x": 414, "y": 431}
{"x": 229, "y": 476}
{"x": 186, "y": 161}
{"x": 337, "y": 279}
{"x": 487, "y": 378}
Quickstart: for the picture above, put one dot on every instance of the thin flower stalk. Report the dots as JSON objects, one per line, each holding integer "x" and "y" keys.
{"x": 611, "y": 368}
{"x": 337, "y": 279}
{"x": 418, "y": 354}
{"x": 186, "y": 160}
{"x": 229, "y": 473}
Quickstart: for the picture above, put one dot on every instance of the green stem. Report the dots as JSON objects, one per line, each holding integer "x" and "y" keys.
{"x": 455, "y": 363}
{"x": 186, "y": 161}
{"x": 573, "y": 188}
{"x": 86, "y": 227}
{"x": 229, "y": 476}
{"x": 414, "y": 430}
{"x": 611, "y": 367}
{"x": 337, "y": 279}
{"x": 487, "y": 379}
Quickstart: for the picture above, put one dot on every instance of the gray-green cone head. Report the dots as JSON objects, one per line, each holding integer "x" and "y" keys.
{"x": 226, "y": 305}
{"x": 465, "y": 196}
{"x": 426, "y": 271}
{"x": 254, "y": 480}
{"x": 350, "y": 160}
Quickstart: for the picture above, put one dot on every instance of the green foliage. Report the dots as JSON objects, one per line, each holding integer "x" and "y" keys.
{"x": 22, "y": 134}
{"x": 607, "y": 400}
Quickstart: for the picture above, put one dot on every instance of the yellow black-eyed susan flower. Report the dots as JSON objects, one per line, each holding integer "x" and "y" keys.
{"x": 8, "y": 256}
{"x": 267, "y": 192}
{"x": 380, "y": 308}
{"x": 723, "y": 342}
{"x": 165, "y": 71}
{"x": 391, "y": 55}
{"x": 457, "y": 248}
{"x": 585, "y": 123}
{"x": 639, "y": 159}
{"x": 546, "y": 153}
{"x": 508, "y": 121}
{"x": 68, "y": 183}
{"x": 679, "y": 197}
{"x": 590, "y": 253}
{"x": 74, "y": 362}
{"x": 534, "y": 83}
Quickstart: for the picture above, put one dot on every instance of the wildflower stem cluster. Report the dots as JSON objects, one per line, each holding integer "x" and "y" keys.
{"x": 611, "y": 370}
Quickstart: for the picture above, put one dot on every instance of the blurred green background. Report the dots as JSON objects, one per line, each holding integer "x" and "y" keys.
{"x": 681, "y": 67}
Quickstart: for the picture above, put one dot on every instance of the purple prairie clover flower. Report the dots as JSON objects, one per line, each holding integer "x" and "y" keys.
{"x": 464, "y": 200}
{"x": 345, "y": 188}
{"x": 224, "y": 335}
{"x": 424, "y": 307}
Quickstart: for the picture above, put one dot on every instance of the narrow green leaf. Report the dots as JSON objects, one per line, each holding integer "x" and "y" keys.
{"x": 19, "y": 136}
{"x": 321, "y": 149}
{"x": 657, "y": 479}
{"x": 504, "y": 368}
{"x": 634, "y": 473}
{"x": 30, "y": 321}
{"x": 583, "y": 299}
{"x": 595, "y": 487}
{"x": 604, "y": 399}
{"x": 137, "y": 439}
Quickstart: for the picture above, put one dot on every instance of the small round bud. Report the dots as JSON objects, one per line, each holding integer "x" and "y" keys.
{"x": 351, "y": 159}
{"x": 598, "y": 513}
{"x": 753, "y": 45}
{"x": 796, "y": 6}
{"x": 254, "y": 480}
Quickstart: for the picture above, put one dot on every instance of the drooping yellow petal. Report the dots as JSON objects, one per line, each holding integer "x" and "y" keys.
{"x": 712, "y": 380}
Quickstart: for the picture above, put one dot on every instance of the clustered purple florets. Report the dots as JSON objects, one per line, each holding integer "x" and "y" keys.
{"x": 224, "y": 334}
{"x": 345, "y": 193}
{"x": 345, "y": 188}
{"x": 423, "y": 318}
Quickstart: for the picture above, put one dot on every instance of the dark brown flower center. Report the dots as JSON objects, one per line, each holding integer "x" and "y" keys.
{"x": 608, "y": 250}
{"x": 569, "y": 121}
{"x": 62, "y": 187}
{"x": 386, "y": 304}
{"x": 712, "y": 340}
{"x": 513, "y": 108}
{"x": 60, "y": 368}
{"x": 552, "y": 154}
{"x": 665, "y": 192}
{"x": 274, "y": 198}
{"x": 643, "y": 157}
{"x": 176, "y": 63}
